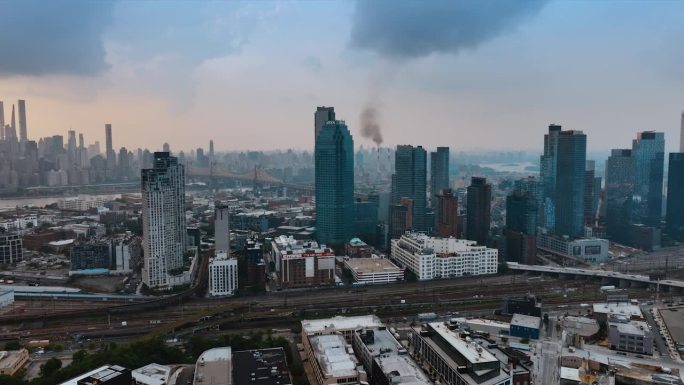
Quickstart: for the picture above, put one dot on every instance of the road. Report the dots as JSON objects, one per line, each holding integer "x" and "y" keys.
{"x": 660, "y": 344}
{"x": 546, "y": 360}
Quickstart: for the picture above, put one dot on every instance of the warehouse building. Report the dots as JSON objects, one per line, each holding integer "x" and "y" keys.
{"x": 456, "y": 360}
{"x": 525, "y": 326}
{"x": 630, "y": 336}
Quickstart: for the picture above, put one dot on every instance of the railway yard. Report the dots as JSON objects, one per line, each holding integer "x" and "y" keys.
{"x": 78, "y": 319}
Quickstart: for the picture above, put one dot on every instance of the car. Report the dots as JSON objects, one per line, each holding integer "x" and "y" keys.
{"x": 639, "y": 356}
{"x": 622, "y": 353}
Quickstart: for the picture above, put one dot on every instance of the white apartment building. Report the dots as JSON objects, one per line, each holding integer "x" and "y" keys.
{"x": 18, "y": 224}
{"x": 163, "y": 212}
{"x": 84, "y": 203}
{"x": 223, "y": 275}
{"x": 431, "y": 257}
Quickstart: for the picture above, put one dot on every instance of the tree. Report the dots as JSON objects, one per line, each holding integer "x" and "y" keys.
{"x": 12, "y": 345}
{"x": 79, "y": 355}
{"x": 10, "y": 380}
{"x": 50, "y": 366}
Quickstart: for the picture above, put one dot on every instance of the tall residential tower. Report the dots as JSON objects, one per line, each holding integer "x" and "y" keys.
{"x": 478, "y": 210}
{"x": 334, "y": 160}
{"x": 562, "y": 176}
{"x": 163, "y": 212}
{"x": 410, "y": 181}
{"x": 439, "y": 173}
{"x": 23, "y": 135}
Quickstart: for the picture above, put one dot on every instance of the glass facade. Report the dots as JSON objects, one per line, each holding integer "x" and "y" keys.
{"x": 675, "y": 196}
{"x": 568, "y": 194}
{"x": 619, "y": 190}
{"x": 648, "y": 150}
{"x": 410, "y": 181}
{"x": 478, "y": 210}
{"x": 439, "y": 173}
{"x": 334, "y": 184}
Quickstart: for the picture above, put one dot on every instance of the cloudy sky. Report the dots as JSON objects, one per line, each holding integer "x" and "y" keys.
{"x": 469, "y": 74}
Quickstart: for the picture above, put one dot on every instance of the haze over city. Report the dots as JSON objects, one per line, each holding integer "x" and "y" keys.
{"x": 247, "y": 73}
{"x": 369, "y": 192}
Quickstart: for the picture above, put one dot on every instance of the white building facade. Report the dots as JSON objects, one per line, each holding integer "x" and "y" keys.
{"x": 163, "y": 209}
{"x": 222, "y": 229}
{"x": 223, "y": 275}
{"x": 589, "y": 250}
{"x": 431, "y": 257}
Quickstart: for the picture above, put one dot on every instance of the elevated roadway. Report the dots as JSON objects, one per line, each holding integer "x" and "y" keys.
{"x": 606, "y": 277}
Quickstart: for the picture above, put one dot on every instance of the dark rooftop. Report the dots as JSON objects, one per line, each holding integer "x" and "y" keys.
{"x": 261, "y": 367}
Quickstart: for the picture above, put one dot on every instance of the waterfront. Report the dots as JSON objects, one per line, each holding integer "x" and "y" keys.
{"x": 11, "y": 203}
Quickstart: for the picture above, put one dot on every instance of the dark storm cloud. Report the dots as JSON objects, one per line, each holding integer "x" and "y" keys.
{"x": 53, "y": 37}
{"x": 411, "y": 28}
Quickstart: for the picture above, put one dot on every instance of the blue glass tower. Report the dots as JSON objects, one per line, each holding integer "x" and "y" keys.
{"x": 410, "y": 181}
{"x": 334, "y": 183}
{"x": 675, "y": 196}
{"x": 619, "y": 191}
{"x": 648, "y": 150}
{"x": 569, "y": 192}
{"x": 439, "y": 173}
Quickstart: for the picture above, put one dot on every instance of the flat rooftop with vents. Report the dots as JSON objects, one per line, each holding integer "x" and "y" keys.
{"x": 261, "y": 367}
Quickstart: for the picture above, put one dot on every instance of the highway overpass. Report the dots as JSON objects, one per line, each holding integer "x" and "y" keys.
{"x": 606, "y": 277}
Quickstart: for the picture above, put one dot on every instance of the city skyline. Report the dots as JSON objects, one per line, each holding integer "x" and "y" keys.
{"x": 437, "y": 90}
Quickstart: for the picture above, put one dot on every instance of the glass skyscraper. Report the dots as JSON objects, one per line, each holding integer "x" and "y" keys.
{"x": 619, "y": 190}
{"x": 522, "y": 207}
{"x": 675, "y": 196}
{"x": 563, "y": 176}
{"x": 334, "y": 159}
{"x": 547, "y": 174}
{"x": 410, "y": 181}
{"x": 569, "y": 200}
{"x": 439, "y": 173}
{"x": 648, "y": 151}
{"x": 478, "y": 210}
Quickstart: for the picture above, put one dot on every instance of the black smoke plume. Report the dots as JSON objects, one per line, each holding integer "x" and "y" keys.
{"x": 370, "y": 124}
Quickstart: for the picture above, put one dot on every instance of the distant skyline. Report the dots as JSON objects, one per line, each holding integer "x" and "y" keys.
{"x": 249, "y": 75}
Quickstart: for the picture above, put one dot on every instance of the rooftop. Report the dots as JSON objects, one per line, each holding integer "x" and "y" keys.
{"x": 334, "y": 355}
{"x": 620, "y": 308}
{"x": 106, "y": 374}
{"x": 357, "y": 242}
{"x": 525, "y": 321}
{"x": 393, "y": 358}
{"x": 470, "y": 350}
{"x": 637, "y": 328}
{"x": 570, "y": 374}
{"x": 289, "y": 245}
{"x": 371, "y": 265}
{"x": 74, "y": 381}
{"x": 214, "y": 367}
{"x": 8, "y": 359}
{"x": 261, "y": 367}
{"x": 156, "y": 371}
{"x": 340, "y": 323}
